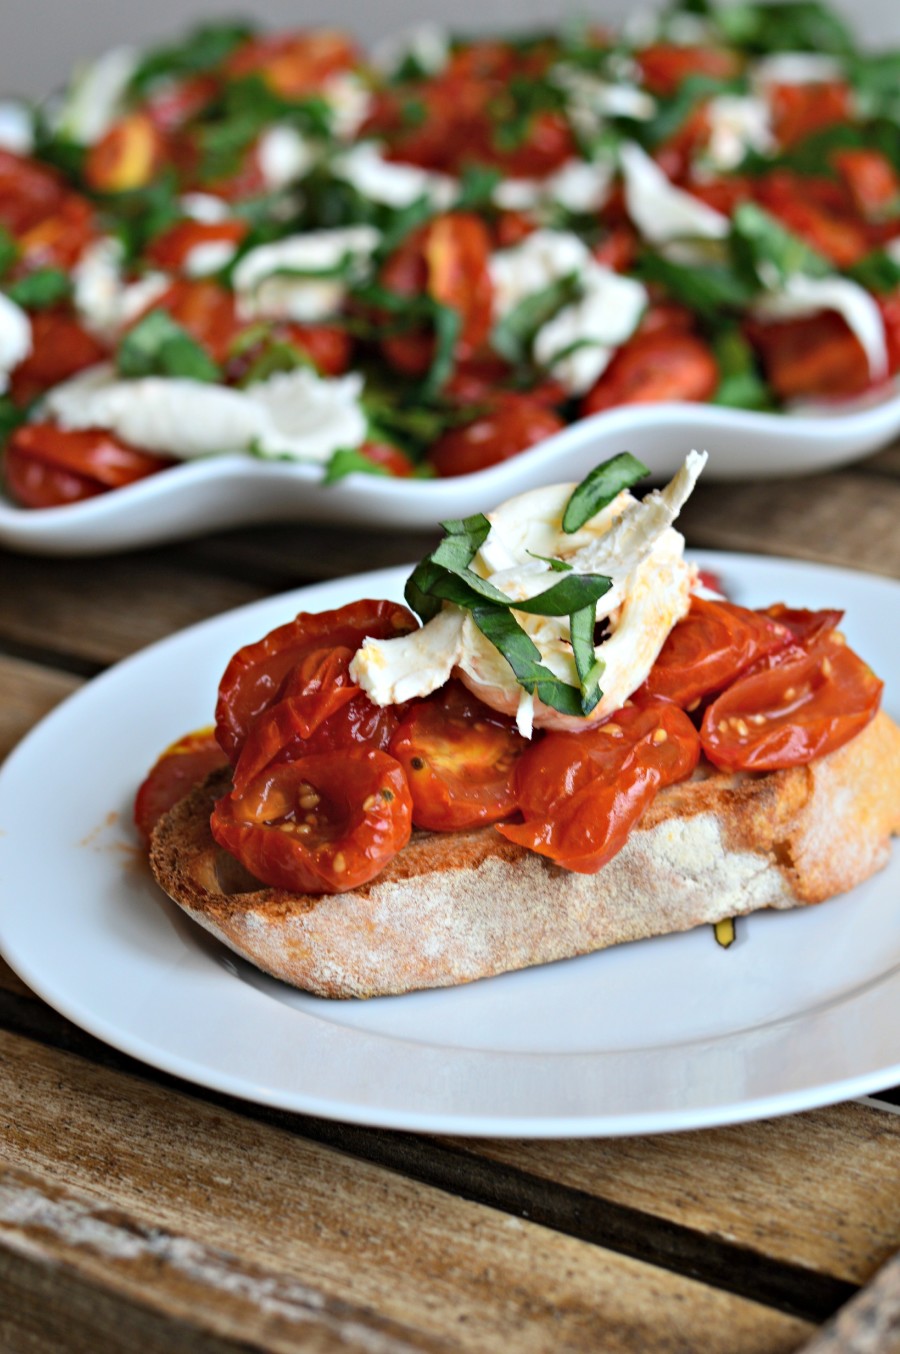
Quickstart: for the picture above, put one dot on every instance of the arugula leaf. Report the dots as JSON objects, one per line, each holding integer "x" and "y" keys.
{"x": 599, "y": 488}
{"x": 157, "y": 346}
{"x": 708, "y": 289}
{"x": 877, "y": 271}
{"x": 766, "y": 245}
{"x": 43, "y": 288}
{"x": 349, "y": 461}
{"x": 792, "y": 26}
{"x": 513, "y": 336}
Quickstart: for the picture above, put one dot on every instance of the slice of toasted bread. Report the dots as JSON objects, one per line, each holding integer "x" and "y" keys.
{"x": 457, "y": 906}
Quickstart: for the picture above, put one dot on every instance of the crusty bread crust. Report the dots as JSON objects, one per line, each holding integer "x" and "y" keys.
{"x": 458, "y": 906}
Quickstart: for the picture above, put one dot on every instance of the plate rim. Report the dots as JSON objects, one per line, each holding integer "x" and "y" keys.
{"x": 556, "y": 1125}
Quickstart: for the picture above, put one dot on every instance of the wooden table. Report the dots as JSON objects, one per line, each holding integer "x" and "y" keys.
{"x": 138, "y": 1213}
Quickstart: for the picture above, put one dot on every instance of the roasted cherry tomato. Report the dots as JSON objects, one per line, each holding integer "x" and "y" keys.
{"x": 791, "y": 712}
{"x": 58, "y": 240}
{"x": 460, "y": 760}
{"x": 804, "y": 626}
{"x": 181, "y": 767}
{"x": 819, "y": 210}
{"x": 256, "y": 674}
{"x": 511, "y": 424}
{"x": 581, "y": 793}
{"x": 294, "y": 64}
{"x": 60, "y": 347}
{"x": 172, "y": 103}
{"x": 709, "y": 648}
{"x": 46, "y": 466}
{"x": 324, "y": 824}
{"x": 653, "y": 367}
{"x": 205, "y": 309}
{"x": 29, "y": 192}
{"x": 172, "y": 249}
{"x": 448, "y": 261}
{"x": 317, "y": 686}
{"x": 871, "y": 181}
{"x": 800, "y": 110}
{"x": 127, "y": 157}
{"x": 665, "y": 66}
{"x": 388, "y": 458}
{"x": 818, "y": 357}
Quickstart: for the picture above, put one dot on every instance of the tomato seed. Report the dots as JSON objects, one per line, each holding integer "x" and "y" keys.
{"x": 827, "y": 669}
{"x": 740, "y": 727}
{"x": 417, "y": 764}
{"x": 369, "y": 803}
{"x": 660, "y": 736}
{"x": 614, "y": 729}
{"x": 339, "y": 864}
{"x": 790, "y": 693}
{"x": 757, "y": 719}
{"x": 723, "y": 726}
{"x": 310, "y": 800}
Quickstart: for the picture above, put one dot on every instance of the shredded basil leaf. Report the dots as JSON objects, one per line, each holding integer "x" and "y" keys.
{"x": 877, "y": 272}
{"x": 157, "y": 346}
{"x": 741, "y": 384}
{"x": 600, "y": 487}
{"x": 558, "y": 566}
{"x": 43, "y": 288}
{"x": 766, "y": 244}
{"x": 513, "y": 336}
{"x": 524, "y": 657}
{"x": 9, "y": 251}
{"x": 708, "y": 289}
{"x": 792, "y": 26}
{"x": 206, "y": 47}
{"x": 349, "y": 461}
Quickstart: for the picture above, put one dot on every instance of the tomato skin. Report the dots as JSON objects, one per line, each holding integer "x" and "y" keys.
{"x": 665, "y": 67}
{"x": 176, "y": 102}
{"x": 511, "y": 424}
{"x": 818, "y": 356}
{"x": 800, "y": 705}
{"x": 819, "y": 210}
{"x": 171, "y": 249}
{"x": 205, "y": 309}
{"x": 460, "y": 761}
{"x": 800, "y": 110}
{"x": 255, "y": 676}
{"x": 46, "y": 466}
{"x": 871, "y": 181}
{"x": 29, "y": 192}
{"x": 388, "y": 457}
{"x": 581, "y": 793}
{"x": 127, "y": 156}
{"x": 59, "y": 239}
{"x": 60, "y": 347}
{"x": 804, "y": 625}
{"x": 294, "y": 64}
{"x": 323, "y": 824}
{"x": 182, "y": 766}
{"x": 709, "y": 648}
{"x": 652, "y": 367}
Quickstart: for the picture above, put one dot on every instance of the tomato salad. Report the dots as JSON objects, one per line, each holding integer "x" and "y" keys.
{"x": 329, "y": 779}
{"x": 425, "y": 259}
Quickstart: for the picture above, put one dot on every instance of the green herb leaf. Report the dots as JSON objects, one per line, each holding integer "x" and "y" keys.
{"x": 348, "y": 461}
{"x": 589, "y": 668}
{"x": 9, "y": 251}
{"x": 794, "y": 26}
{"x": 600, "y": 487}
{"x": 11, "y": 416}
{"x": 43, "y": 288}
{"x": 524, "y": 657}
{"x": 157, "y": 346}
{"x": 558, "y": 566}
{"x": 707, "y": 290}
{"x": 741, "y": 384}
{"x": 202, "y": 50}
{"x": 877, "y": 272}
{"x": 513, "y": 336}
{"x": 765, "y": 244}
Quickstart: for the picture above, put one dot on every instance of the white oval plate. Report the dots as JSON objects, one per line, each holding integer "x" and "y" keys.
{"x": 228, "y": 491}
{"x": 672, "y": 1033}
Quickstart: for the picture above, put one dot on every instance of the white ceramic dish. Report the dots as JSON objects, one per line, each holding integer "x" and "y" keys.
{"x": 228, "y": 491}
{"x": 665, "y": 1034}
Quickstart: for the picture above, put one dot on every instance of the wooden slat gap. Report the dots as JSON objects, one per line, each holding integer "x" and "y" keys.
{"x": 57, "y": 660}
{"x": 728, "y": 1266}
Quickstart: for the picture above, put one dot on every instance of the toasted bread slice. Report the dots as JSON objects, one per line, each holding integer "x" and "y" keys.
{"x": 462, "y": 905}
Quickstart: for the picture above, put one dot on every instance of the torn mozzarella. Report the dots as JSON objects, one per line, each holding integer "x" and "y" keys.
{"x": 795, "y": 68}
{"x": 542, "y": 258}
{"x": 205, "y": 207}
{"x": 95, "y": 99}
{"x": 308, "y": 417}
{"x": 737, "y": 124}
{"x": 577, "y": 344}
{"x": 350, "y": 103}
{"x": 662, "y": 212}
{"x": 105, "y": 302}
{"x": 283, "y": 155}
{"x": 277, "y": 280}
{"x": 391, "y": 671}
{"x": 579, "y": 186}
{"x": 394, "y": 185}
{"x": 15, "y": 338}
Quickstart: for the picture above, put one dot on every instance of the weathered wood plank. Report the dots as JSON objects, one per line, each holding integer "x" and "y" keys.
{"x": 98, "y": 611}
{"x": 869, "y": 1324}
{"x": 809, "y": 1189}
{"x": 349, "y": 1230}
{"x": 845, "y": 519}
{"x": 29, "y": 693}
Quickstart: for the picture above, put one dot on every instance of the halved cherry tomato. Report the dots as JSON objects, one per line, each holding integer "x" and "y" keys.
{"x": 46, "y": 466}
{"x": 60, "y": 347}
{"x": 324, "y": 824}
{"x": 59, "y": 239}
{"x": 820, "y": 210}
{"x": 652, "y": 367}
{"x": 171, "y": 249}
{"x": 128, "y": 156}
{"x": 359, "y": 723}
{"x": 388, "y": 457}
{"x": 172, "y": 103}
{"x": 294, "y": 64}
{"x": 511, "y": 424}
{"x": 871, "y": 181}
{"x": 790, "y": 712}
{"x": 254, "y": 678}
{"x": 581, "y": 793}
{"x": 181, "y": 767}
{"x": 804, "y": 626}
{"x": 460, "y": 760}
{"x": 818, "y": 356}
{"x": 29, "y": 192}
{"x": 709, "y": 648}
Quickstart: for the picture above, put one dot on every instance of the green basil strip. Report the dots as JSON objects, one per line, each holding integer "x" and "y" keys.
{"x": 513, "y": 336}
{"x": 38, "y": 290}
{"x": 348, "y": 461}
{"x": 523, "y": 656}
{"x": 587, "y": 665}
{"x": 157, "y": 346}
{"x": 600, "y": 488}
{"x": 558, "y": 566}
{"x": 765, "y": 240}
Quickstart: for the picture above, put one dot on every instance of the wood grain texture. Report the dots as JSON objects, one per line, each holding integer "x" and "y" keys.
{"x": 96, "y": 611}
{"x": 809, "y": 1189}
{"x": 348, "y": 1230}
{"x": 869, "y": 1324}
{"x": 846, "y": 519}
{"x": 30, "y": 691}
